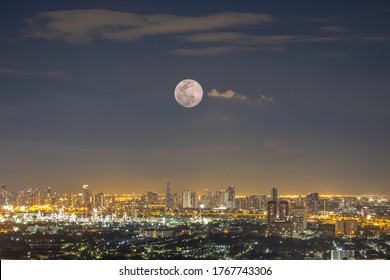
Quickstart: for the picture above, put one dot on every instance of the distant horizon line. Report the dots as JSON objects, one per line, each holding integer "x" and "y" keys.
{"x": 236, "y": 195}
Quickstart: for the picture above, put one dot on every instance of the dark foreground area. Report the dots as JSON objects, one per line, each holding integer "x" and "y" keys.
{"x": 184, "y": 242}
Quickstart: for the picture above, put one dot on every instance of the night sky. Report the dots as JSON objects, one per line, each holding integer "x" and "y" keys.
{"x": 296, "y": 96}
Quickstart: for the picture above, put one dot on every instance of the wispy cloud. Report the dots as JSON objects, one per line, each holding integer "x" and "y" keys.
{"x": 248, "y": 39}
{"x": 209, "y": 51}
{"x": 333, "y": 29}
{"x": 214, "y": 34}
{"x": 373, "y": 38}
{"x": 228, "y": 95}
{"x": 82, "y": 26}
{"x": 205, "y": 51}
{"x": 326, "y": 56}
{"x": 233, "y": 95}
{"x": 263, "y": 98}
{"x": 37, "y": 74}
{"x": 239, "y": 41}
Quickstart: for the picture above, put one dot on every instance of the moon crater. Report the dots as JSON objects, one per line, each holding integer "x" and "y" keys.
{"x": 188, "y": 93}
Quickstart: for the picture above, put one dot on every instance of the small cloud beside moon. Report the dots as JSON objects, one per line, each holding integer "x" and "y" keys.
{"x": 229, "y": 94}
{"x": 188, "y": 93}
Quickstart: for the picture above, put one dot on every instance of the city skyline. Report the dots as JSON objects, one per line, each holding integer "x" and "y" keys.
{"x": 44, "y": 225}
{"x": 295, "y": 96}
{"x": 179, "y": 191}
{"x": 215, "y": 225}
{"x": 179, "y": 188}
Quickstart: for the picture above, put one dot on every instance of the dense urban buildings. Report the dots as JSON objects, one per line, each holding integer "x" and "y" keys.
{"x": 43, "y": 224}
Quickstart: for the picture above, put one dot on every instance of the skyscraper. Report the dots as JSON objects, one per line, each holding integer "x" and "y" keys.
{"x": 219, "y": 199}
{"x": 283, "y": 210}
{"x": 271, "y": 212}
{"x": 257, "y": 203}
{"x": 176, "y": 200}
{"x": 168, "y": 195}
{"x": 274, "y": 195}
{"x": 225, "y": 198}
{"x": 231, "y": 193}
{"x": 99, "y": 200}
{"x": 46, "y": 197}
{"x": 299, "y": 218}
{"x": 85, "y": 195}
{"x": 3, "y": 197}
{"x": 190, "y": 199}
{"x": 207, "y": 200}
{"x": 312, "y": 202}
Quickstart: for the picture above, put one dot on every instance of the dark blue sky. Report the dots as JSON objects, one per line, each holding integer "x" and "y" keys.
{"x": 296, "y": 95}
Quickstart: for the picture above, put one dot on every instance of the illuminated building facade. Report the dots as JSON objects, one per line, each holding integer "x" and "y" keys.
{"x": 312, "y": 202}
{"x": 299, "y": 218}
{"x": 274, "y": 195}
{"x": 99, "y": 200}
{"x": 86, "y": 196}
{"x": 283, "y": 210}
{"x": 3, "y": 195}
{"x": 231, "y": 193}
{"x": 346, "y": 227}
{"x": 168, "y": 195}
{"x": 224, "y": 199}
{"x": 271, "y": 212}
{"x": 189, "y": 199}
{"x": 342, "y": 254}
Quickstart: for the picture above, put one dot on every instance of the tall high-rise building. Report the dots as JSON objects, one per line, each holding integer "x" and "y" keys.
{"x": 47, "y": 196}
{"x": 257, "y": 203}
{"x": 283, "y": 210}
{"x": 271, "y": 211}
{"x": 86, "y": 196}
{"x": 241, "y": 203}
{"x": 254, "y": 202}
{"x": 274, "y": 195}
{"x": 312, "y": 202}
{"x": 299, "y": 218}
{"x": 219, "y": 199}
{"x": 300, "y": 201}
{"x": 176, "y": 201}
{"x": 168, "y": 195}
{"x": 322, "y": 204}
{"x": 33, "y": 197}
{"x": 190, "y": 199}
{"x": 99, "y": 200}
{"x": 225, "y": 198}
{"x": 3, "y": 195}
{"x": 207, "y": 200}
{"x": 231, "y": 193}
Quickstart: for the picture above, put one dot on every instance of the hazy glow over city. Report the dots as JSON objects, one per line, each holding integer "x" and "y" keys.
{"x": 295, "y": 96}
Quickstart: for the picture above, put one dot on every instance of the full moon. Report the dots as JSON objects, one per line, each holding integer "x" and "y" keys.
{"x": 188, "y": 93}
